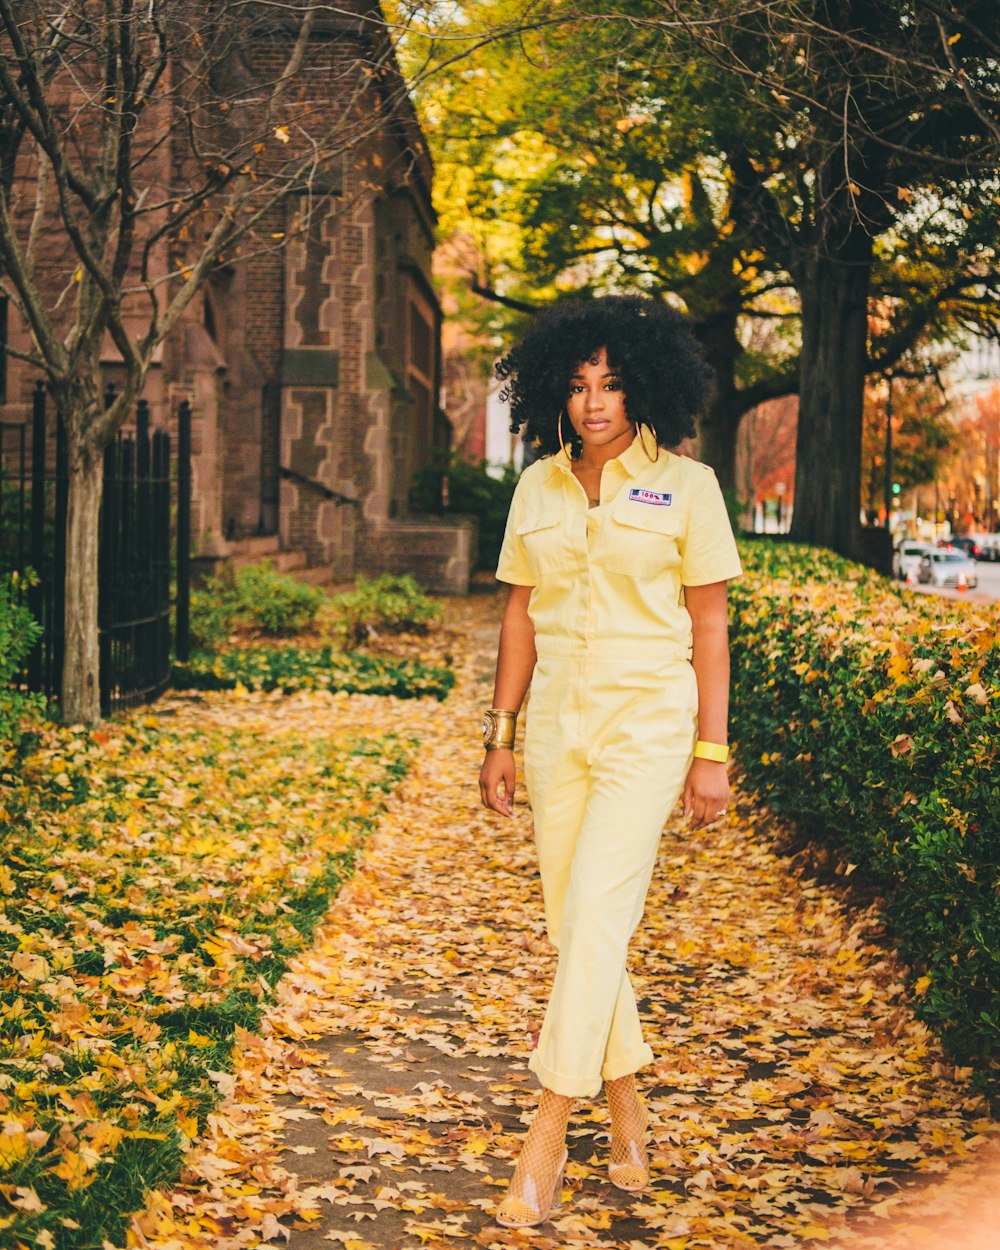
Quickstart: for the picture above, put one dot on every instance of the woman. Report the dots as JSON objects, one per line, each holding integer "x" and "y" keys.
{"x": 617, "y": 553}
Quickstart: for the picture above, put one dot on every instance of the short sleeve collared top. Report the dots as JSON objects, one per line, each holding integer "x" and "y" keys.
{"x": 613, "y": 575}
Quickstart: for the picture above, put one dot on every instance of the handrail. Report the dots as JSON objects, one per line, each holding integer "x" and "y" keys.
{"x": 293, "y": 475}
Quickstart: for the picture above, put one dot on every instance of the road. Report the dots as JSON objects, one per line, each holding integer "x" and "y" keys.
{"x": 987, "y": 591}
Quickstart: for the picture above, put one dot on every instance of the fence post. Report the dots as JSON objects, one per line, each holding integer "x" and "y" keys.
{"x": 59, "y": 560}
{"x": 143, "y": 493}
{"x": 36, "y": 593}
{"x": 107, "y": 571}
{"x": 182, "y": 645}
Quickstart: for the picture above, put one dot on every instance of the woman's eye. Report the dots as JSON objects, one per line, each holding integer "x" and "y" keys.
{"x": 615, "y": 385}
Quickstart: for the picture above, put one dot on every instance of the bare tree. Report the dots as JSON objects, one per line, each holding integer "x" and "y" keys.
{"x": 152, "y": 140}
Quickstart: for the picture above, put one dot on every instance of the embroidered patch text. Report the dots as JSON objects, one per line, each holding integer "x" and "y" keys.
{"x": 662, "y": 499}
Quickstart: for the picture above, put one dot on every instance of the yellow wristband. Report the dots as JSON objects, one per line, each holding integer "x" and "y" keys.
{"x": 711, "y": 751}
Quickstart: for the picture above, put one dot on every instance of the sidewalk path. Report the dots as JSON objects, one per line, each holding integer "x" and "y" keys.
{"x": 795, "y": 1100}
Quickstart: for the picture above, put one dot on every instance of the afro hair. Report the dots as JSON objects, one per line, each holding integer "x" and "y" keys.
{"x": 649, "y": 344}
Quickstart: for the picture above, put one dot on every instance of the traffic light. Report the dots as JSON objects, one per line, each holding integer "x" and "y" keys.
{"x": 896, "y": 488}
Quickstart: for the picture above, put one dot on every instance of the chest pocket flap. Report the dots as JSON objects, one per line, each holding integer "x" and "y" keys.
{"x": 545, "y": 541}
{"x": 644, "y": 538}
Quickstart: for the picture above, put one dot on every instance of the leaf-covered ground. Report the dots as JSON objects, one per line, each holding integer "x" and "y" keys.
{"x": 158, "y": 873}
{"x": 795, "y": 1100}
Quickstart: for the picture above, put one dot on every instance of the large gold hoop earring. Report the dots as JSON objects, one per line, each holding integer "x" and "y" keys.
{"x": 562, "y": 444}
{"x": 642, "y": 442}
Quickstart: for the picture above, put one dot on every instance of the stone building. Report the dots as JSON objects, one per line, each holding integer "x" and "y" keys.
{"x": 314, "y": 367}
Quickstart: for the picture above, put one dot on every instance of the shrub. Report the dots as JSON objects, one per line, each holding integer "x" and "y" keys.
{"x": 254, "y": 597}
{"x": 19, "y": 631}
{"x": 472, "y": 491}
{"x": 385, "y": 604}
{"x": 871, "y": 718}
{"x": 293, "y": 668}
{"x": 274, "y": 602}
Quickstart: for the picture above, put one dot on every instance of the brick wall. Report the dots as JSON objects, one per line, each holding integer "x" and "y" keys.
{"x": 343, "y": 290}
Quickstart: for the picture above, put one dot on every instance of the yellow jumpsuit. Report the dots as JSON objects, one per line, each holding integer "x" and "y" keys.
{"x": 611, "y": 723}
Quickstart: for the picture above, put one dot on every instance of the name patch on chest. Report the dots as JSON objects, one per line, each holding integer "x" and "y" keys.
{"x": 662, "y": 499}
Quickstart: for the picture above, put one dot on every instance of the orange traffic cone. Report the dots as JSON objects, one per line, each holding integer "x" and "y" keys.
{"x": 910, "y": 579}
{"x": 963, "y": 582}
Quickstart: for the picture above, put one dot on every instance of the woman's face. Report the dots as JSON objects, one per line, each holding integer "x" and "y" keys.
{"x": 596, "y": 405}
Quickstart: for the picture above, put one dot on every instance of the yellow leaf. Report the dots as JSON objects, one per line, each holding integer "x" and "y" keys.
{"x": 188, "y": 1125}
{"x": 921, "y": 986}
{"x": 73, "y": 1169}
{"x": 30, "y": 967}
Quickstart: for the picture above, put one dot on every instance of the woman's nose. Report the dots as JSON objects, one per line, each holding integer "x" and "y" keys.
{"x": 594, "y": 400}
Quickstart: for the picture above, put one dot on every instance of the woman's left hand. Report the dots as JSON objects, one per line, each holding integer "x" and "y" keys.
{"x": 706, "y": 792}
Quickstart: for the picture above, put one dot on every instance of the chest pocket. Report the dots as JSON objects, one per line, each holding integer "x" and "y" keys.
{"x": 545, "y": 542}
{"x": 643, "y": 539}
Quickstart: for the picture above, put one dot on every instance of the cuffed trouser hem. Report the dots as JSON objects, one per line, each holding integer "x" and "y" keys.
{"x": 567, "y": 1086}
{"x": 588, "y": 1087}
{"x": 625, "y": 1065}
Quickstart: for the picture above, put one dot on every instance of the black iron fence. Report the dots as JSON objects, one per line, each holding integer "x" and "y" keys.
{"x": 142, "y": 487}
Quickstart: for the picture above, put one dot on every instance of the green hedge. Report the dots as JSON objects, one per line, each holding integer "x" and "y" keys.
{"x": 869, "y": 716}
{"x": 295, "y": 668}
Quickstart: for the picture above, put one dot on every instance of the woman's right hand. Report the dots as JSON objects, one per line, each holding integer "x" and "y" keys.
{"x": 497, "y": 780}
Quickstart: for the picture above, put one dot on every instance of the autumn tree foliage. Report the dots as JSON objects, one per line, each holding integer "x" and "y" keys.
{"x": 142, "y": 146}
{"x": 783, "y": 159}
{"x": 886, "y": 123}
{"x": 970, "y": 485}
{"x": 592, "y": 167}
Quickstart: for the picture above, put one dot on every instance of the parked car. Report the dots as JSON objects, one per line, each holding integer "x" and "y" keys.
{"x": 989, "y": 548}
{"x": 965, "y": 543}
{"x": 906, "y": 558}
{"x": 947, "y": 568}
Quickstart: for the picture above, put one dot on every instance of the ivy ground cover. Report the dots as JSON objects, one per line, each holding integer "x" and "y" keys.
{"x": 158, "y": 874}
{"x": 870, "y": 716}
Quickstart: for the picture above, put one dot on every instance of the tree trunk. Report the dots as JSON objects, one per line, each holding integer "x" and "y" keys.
{"x": 834, "y": 292}
{"x": 720, "y": 424}
{"x": 80, "y": 700}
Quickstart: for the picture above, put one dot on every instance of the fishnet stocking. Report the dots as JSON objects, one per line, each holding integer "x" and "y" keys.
{"x": 628, "y": 1167}
{"x": 535, "y": 1187}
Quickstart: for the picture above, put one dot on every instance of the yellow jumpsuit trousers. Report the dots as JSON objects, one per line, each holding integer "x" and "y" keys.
{"x": 611, "y": 723}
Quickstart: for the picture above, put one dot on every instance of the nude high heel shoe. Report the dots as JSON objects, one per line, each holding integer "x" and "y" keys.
{"x": 628, "y": 1167}
{"x": 532, "y": 1208}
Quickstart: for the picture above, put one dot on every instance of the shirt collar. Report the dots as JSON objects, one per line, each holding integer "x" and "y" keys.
{"x": 634, "y": 458}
